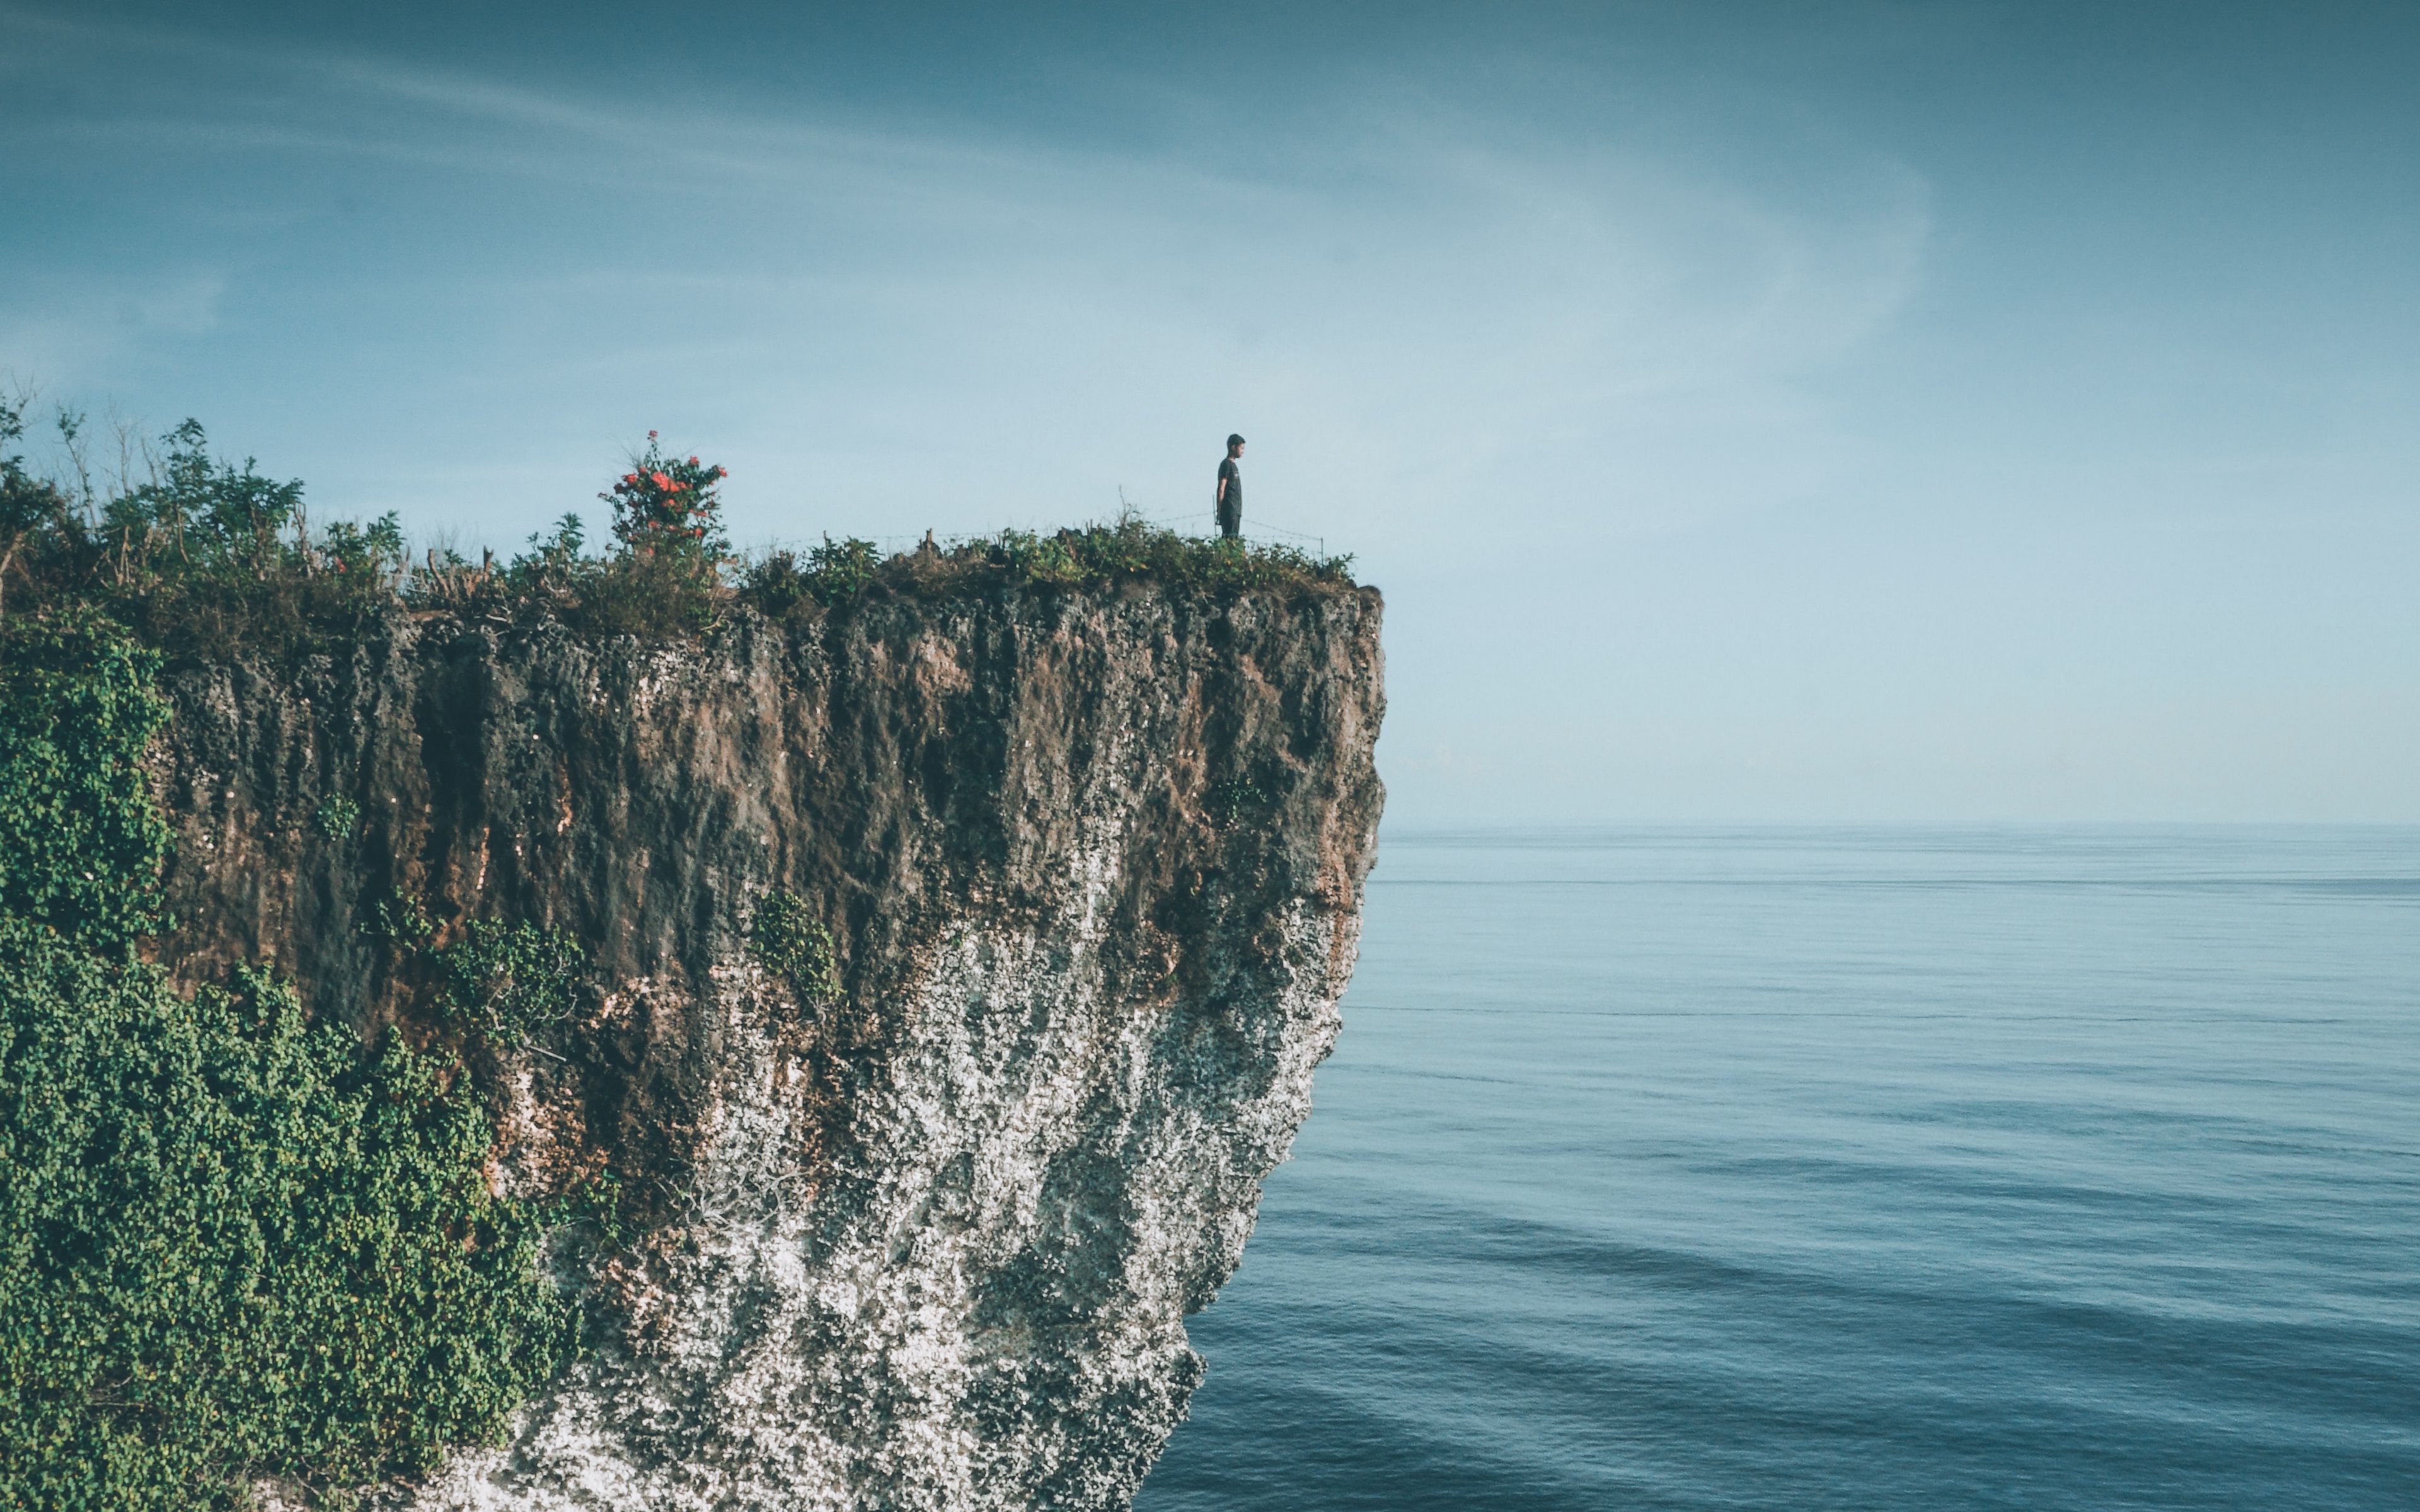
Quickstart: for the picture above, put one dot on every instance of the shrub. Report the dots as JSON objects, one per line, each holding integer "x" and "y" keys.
{"x": 401, "y": 922}
{"x": 832, "y": 573}
{"x": 338, "y": 817}
{"x": 30, "y": 509}
{"x": 212, "y": 513}
{"x": 553, "y": 564}
{"x": 502, "y": 980}
{"x": 1124, "y": 550}
{"x": 776, "y": 584}
{"x": 203, "y": 557}
{"x": 792, "y": 944}
{"x": 658, "y": 597}
{"x": 664, "y": 506}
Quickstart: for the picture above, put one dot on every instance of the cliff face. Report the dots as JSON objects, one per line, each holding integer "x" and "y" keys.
{"x": 1093, "y": 866}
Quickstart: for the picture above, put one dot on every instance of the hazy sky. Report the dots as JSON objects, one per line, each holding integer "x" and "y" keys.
{"x": 1791, "y": 412}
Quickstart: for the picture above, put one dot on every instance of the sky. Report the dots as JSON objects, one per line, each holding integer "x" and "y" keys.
{"x": 1793, "y": 412}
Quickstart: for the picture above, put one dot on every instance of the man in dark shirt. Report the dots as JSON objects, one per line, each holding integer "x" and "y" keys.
{"x": 1230, "y": 497}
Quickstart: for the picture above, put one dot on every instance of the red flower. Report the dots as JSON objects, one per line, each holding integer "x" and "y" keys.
{"x": 630, "y": 477}
{"x": 661, "y": 481}
{"x": 651, "y": 435}
{"x": 693, "y": 461}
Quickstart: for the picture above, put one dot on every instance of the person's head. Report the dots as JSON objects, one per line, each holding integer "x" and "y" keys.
{"x": 1234, "y": 446}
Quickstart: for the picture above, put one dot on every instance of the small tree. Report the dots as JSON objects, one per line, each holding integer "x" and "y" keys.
{"x": 28, "y": 505}
{"x": 666, "y": 507}
{"x": 223, "y": 520}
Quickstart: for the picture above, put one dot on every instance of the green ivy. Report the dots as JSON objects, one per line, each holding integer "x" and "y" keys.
{"x": 233, "y": 1245}
{"x": 77, "y": 824}
{"x": 233, "y": 1241}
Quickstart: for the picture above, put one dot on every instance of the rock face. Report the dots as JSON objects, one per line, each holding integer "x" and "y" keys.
{"x": 1093, "y": 867}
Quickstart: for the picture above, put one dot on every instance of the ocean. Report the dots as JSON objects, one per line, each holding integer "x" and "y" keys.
{"x": 1860, "y": 1168}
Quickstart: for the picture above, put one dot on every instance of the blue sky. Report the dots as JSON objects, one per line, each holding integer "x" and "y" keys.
{"x": 1763, "y": 412}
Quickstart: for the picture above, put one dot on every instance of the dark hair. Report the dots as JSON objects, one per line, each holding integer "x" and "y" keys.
{"x": 1234, "y": 440}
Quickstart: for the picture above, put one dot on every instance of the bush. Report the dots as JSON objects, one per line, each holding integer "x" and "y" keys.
{"x": 338, "y": 817}
{"x": 792, "y": 944}
{"x": 205, "y": 556}
{"x": 662, "y": 597}
{"x": 502, "y": 980}
{"x": 664, "y": 506}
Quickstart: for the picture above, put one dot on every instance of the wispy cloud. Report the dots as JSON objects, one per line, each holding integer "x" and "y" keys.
{"x": 1659, "y": 419}
{"x": 1547, "y": 303}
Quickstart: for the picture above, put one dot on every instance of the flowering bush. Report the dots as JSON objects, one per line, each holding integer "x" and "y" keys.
{"x": 664, "y": 506}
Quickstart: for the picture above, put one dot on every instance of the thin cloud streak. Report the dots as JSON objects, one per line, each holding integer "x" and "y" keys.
{"x": 1534, "y": 301}
{"x": 1690, "y": 411}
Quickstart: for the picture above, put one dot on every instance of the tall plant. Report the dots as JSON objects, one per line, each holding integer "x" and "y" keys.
{"x": 667, "y": 507}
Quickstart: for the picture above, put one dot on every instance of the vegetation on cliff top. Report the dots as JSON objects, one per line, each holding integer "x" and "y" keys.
{"x": 200, "y": 555}
{"x": 234, "y": 1244}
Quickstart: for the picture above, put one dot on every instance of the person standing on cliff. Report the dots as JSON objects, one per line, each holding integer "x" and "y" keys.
{"x": 1230, "y": 497}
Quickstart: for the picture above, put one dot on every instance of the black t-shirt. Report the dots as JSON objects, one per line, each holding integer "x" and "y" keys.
{"x": 1231, "y": 500}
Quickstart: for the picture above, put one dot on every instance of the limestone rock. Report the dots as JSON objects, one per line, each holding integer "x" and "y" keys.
{"x": 1093, "y": 864}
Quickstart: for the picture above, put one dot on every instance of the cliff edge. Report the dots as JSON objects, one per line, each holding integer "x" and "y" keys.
{"x": 920, "y": 1232}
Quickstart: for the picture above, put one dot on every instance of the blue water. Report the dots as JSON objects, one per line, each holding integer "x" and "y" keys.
{"x": 1846, "y": 1168}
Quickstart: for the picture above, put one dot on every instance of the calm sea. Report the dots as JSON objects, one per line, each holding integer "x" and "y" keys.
{"x": 1858, "y": 1168}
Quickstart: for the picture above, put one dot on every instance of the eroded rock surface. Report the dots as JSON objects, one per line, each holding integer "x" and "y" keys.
{"x": 1092, "y": 863}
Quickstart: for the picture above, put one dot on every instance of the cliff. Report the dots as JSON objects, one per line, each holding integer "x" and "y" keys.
{"x": 1091, "y": 864}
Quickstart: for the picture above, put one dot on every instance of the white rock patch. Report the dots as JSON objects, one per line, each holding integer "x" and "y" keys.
{"x": 983, "y": 1307}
